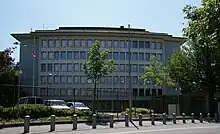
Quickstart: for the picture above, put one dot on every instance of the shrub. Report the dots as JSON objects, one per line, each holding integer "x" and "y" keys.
{"x": 138, "y": 111}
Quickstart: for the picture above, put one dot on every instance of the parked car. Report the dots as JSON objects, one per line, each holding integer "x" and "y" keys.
{"x": 77, "y": 105}
{"x": 56, "y": 104}
{"x": 30, "y": 100}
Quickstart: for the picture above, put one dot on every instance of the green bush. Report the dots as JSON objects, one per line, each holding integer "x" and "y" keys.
{"x": 37, "y": 111}
{"x": 143, "y": 111}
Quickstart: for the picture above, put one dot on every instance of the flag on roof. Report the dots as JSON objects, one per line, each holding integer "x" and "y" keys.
{"x": 33, "y": 52}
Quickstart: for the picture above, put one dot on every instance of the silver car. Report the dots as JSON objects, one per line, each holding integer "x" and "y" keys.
{"x": 77, "y": 105}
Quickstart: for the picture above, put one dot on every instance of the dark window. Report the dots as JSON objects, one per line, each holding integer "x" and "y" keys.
{"x": 83, "y": 55}
{"x": 147, "y": 44}
{"x": 141, "y": 44}
{"x": 134, "y": 44}
{"x": 56, "y": 55}
{"x": 160, "y": 92}
{"x": 147, "y": 92}
{"x": 69, "y": 54}
{"x": 135, "y": 92}
{"x": 63, "y": 54}
{"x": 153, "y": 92}
{"x": 141, "y": 92}
{"x": 115, "y": 55}
{"x": 43, "y": 68}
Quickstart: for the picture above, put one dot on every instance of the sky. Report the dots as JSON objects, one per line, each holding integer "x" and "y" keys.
{"x": 17, "y": 16}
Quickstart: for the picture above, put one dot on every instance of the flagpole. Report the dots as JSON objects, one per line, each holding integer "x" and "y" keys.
{"x": 33, "y": 56}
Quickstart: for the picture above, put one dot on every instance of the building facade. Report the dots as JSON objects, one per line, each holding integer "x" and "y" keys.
{"x": 56, "y": 69}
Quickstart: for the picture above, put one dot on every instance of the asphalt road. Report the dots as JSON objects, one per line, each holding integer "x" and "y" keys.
{"x": 159, "y": 128}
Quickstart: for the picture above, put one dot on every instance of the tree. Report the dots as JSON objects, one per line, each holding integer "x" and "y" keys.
{"x": 8, "y": 77}
{"x": 97, "y": 66}
{"x": 196, "y": 66}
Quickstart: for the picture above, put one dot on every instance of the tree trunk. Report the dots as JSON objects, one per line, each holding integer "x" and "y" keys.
{"x": 94, "y": 99}
{"x": 210, "y": 102}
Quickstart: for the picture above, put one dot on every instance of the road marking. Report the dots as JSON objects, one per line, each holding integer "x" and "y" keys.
{"x": 167, "y": 129}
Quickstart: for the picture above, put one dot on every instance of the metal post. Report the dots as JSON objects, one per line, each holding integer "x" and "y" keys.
{"x": 184, "y": 118}
{"x": 174, "y": 118}
{"x": 208, "y": 117}
{"x": 193, "y": 118}
{"x": 27, "y": 124}
{"x": 74, "y": 122}
{"x": 152, "y": 119}
{"x": 129, "y": 73}
{"x": 33, "y": 78}
{"x": 140, "y": 120}
{"x": 74, "y": 99}
{"x": 111, "y": 121}
{"x": 126, "y": 120}
{"x": 164, "y": 118}
{"x": 94, "y": 121}
{"x": 200, "y": 118}
{"x": 52, "y": 124}
{"x": 216, "y": 117}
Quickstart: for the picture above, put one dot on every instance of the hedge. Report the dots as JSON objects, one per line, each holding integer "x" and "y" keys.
{"x": 143, "y": 111}
{"x": 37, "y": 111}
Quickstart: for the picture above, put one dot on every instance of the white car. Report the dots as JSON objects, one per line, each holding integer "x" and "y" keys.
{"x": 77, "y": 105}
{"x": 56, "y": 104}
{"x": 30, "y": 100}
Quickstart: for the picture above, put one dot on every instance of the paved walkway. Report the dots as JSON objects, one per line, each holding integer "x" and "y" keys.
{"x": 119, "y": 128}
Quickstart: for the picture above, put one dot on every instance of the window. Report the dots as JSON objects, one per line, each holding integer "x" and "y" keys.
{"x": 76, "y": 43}
{"x": 134, "y": 44}
{"x": 70, "y": 43}
{"x": 147, "y": 44}
{"x": 153, "y": 55}
{"x": 122, "y": 55}
{"x": 44, "y": 44}
{"x": 159, "y": 45}
{"x": 117, "y": 68}
{"x": 147, "y": 92}
{"x": 147, "y": 57}
{"x": 83, "y": 55}
{"x": 153, "y": 45}
{"x": 63, "y": 67}
{"x": 109, "y": 79}
{"x": 102, "y": 43}
{"x": 141, "y": 44}
{"x": 159, "y": 57}
{"x": 115, "y": 44}
{"x": 115, "y": 79}
{"x": 43, "y": 67}
{"x": 122, "y": 79}
{"x": 141, "y": 81}
{"x": 56, "y": 55}
{"x": 122, "y": 68}
{"x": 43, "y": 79}
{"x": 127, "y": 68}
{"x": 82, "y": 79}
{"x": 134, "y": 56}
{"x": 110, "y": 55}
{"x": 56, "y": 67}
{"x": 49, "y": 79}
{"x": 50, "y": 55}
{"x": 69, "y": 54}
{"x": 141, "y": 56}
{"x": 76, "y": 79}
{"x": 102, "y": 80}
{"x": 109, "y": 43}
{"x": 115, "y": 55}
{"x": 134, "y": 68}
{"x": 141, "y": 68}
{"x": 76, "y": 67}
{"x": 57, "y": 43}
{"x": 69, "y": 79}
{"x": 51, "y": 44}
{"x": 62, "y": 79}
{"x": 89, "y": 43}
{"x": 83, "y": 43}
{"x": 153, "y": 92}
{"x": 159, "y": 92}
{"x": 63, "y": 55}
{"x": 69, "y": 67}
{"x": 122, "y": 44}
{"x": 43, "y": 55}
{"x": 63, "y": 92}
{"x": 50, "y": 67}
{"x": 76, "y": 54}
{"x": 135, "y": 80}
{"x": 63, "y": 43}
{"x": 81, "y": 67}
{"x": 127, "y": 56}
{"x": 56, "y": 79}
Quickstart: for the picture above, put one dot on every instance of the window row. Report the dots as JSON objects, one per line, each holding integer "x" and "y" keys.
{"x": 100, "y": 92}
{"x": 50, "y": 43}
{"x": 69, "y": 79}
{"x": 78, "y": 67}
{"x": 57, "y": 55}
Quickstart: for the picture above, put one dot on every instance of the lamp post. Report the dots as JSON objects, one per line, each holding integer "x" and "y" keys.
{"x": 19, "y": 87}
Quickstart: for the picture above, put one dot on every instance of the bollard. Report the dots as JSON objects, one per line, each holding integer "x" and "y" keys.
{"x": 26, "y": 124}
{"x": 216, "y": 117}
{"x": 152, "y": 119}
{"x": 164, "y": 118}
{"x": 184, "y": 118}
{"x": 74, "y": 122}
{"x": 200, "y": 118}
{"x": 94, "y": 121}
{"x": 193, "y": 117}
{"x": 52, "y": 123}
{"x": 126, "y": 120}
{"x": 174, "y": 118}
{"x": 208, "y": 117}
{"x": 111, "y": 121}
{"x": 140, "y": 120}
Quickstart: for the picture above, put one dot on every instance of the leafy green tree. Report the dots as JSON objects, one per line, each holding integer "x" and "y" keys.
{"x": 196, "y": 66}
{"x": 97, "y": 66}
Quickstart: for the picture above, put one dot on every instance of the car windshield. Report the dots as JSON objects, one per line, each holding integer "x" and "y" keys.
{"x": 58, "y": 103}
{"x": 79, "y": 105}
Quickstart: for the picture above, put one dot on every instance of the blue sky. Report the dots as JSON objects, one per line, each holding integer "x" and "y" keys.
{"x": 153, "y": 15}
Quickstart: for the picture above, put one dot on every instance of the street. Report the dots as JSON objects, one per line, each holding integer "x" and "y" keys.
{"x": 159, "y": 128}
